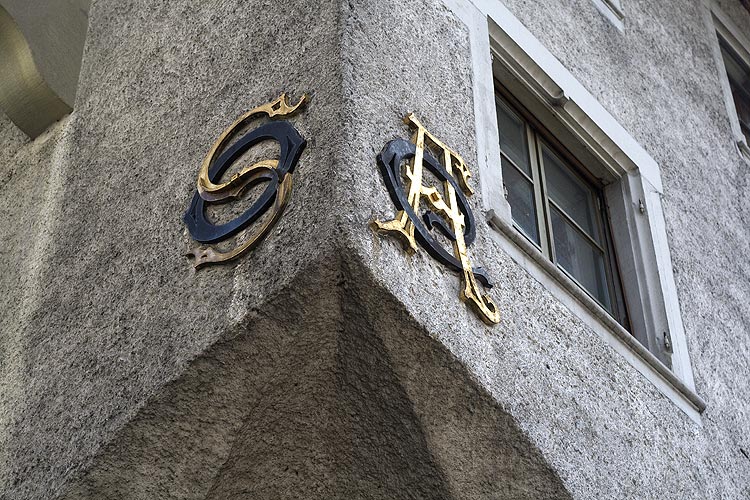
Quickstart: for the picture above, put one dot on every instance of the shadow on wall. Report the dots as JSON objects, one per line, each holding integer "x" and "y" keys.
{"x": 41, "y": 46}
{"x": 329, "y": 391}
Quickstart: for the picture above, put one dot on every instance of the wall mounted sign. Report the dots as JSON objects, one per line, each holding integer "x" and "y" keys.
{"x": 449, "y": 212}
{"x": 275, "y": 173}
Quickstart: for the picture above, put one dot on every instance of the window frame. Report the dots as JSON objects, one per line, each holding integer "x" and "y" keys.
{"x": 496, "y": 36}
{"x": 744, "y": 64}
{"x": 538, "y": 137}
{"x": 725, "y": 31}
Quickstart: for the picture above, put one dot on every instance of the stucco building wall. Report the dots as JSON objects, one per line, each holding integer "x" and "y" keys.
{"x": 328, "y": 363}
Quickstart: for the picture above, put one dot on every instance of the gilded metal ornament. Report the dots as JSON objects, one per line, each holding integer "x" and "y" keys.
{"x": 275, "y": 173}
{"x": 402, "y": 164}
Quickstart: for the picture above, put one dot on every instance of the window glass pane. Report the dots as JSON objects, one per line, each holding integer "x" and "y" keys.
{"x": 735, "y": 69}
{"x": 513, "y": 140}
{"x": 580, "y": 258}
{"x": 570, "y": 193}
{"x": 521, "y": 200}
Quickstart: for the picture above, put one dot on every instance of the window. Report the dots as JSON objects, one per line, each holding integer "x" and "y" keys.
{"x": 557, "y": 205}
{"x": 563, "y": 132}
{"x": 738, "y": 74}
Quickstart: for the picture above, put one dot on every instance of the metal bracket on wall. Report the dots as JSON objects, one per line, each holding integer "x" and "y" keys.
{"x": 667, "y": 342}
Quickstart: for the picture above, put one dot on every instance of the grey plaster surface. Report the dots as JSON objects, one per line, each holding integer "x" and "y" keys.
{"x": 613, "y": 428}
{"x": 660, "y": 81}
{"x": 108, "y": 319}
{"x": 332, "y": 392}
{"x": 328, "y": 363}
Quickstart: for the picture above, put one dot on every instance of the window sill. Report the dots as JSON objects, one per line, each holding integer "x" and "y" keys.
{"x": 645, "y": 362}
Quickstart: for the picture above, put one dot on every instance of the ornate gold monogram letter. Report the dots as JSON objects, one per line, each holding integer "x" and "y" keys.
{"x": 449, "y": 212}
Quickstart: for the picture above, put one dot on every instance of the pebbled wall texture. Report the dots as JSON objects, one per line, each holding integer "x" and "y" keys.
{"x": 328, "y": 363}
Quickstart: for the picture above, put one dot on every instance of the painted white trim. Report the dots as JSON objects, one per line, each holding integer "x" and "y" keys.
{"x": 719, "y": 24}
{"x": 671, "y": 306}
{"x": 487, "y": 137}
{"x": 492, "y": 28}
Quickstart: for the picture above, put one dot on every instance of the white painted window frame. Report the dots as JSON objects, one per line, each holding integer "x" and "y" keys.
{"x": 635, "y": 200}
{"x": 719, "y": 24}
{"x": 612, "y": 10}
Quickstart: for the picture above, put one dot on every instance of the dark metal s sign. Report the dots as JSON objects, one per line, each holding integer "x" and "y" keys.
{"x": 276, "y": 174}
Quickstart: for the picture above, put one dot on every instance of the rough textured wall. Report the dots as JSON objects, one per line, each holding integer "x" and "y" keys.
{"x": 660, "y": 81}
{"x": 128, "y": 375}
{"x": 31, "y": 184}
{"x": 333, "y": 391}
{"x": 115, "y": 310}
{"x": 607, "y": 430}
{"x": 328, "y": 354}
